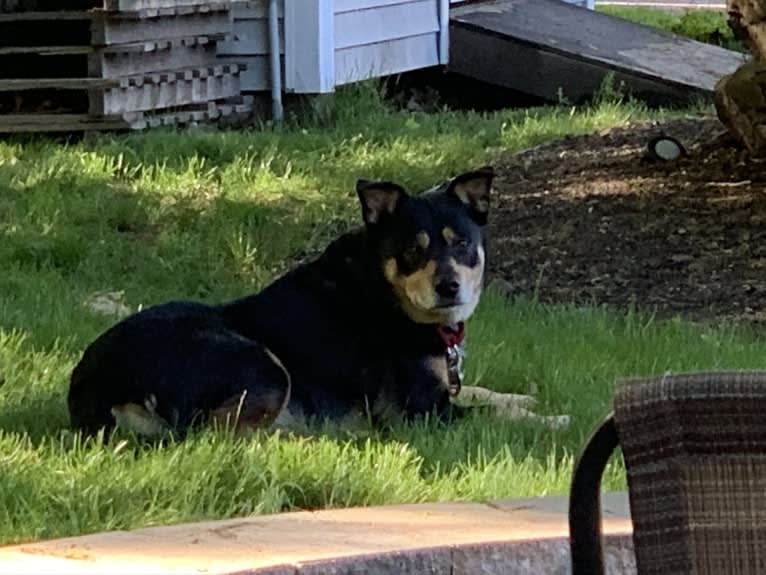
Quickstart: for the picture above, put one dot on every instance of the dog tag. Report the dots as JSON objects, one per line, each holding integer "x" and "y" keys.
{"x": 455, "y": 356}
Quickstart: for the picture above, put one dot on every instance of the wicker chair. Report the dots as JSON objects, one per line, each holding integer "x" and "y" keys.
{"x": 694, "y": 447}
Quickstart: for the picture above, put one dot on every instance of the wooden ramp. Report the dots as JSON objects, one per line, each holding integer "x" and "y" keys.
{"x": 548, "y": 48}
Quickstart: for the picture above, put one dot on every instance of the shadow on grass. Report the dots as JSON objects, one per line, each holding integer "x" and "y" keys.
{"x": 67, "y": 237}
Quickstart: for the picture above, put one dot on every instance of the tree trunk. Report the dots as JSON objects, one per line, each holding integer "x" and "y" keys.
{"x": 748, "y": 20}
{"x": 740, "y": 98}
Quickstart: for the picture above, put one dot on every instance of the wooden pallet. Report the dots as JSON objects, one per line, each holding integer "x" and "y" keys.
{"x": 167, "y": 90}
{"x": 214, "y": 111}
{"x": 21, "y": 123}
{"x": 249, "y": 44}
{"x": 100, "y": 28}
{"x": 109, "y": 61}
{"x": 106, "y": 96}
{"x": 129, "y": 28}
{"x": 122, "y": 64}
{"x": 139, "y": 5}
{"x": 145, "y": 57}
{"x": 15, "y": 6}
{"x": 72, "y": 123}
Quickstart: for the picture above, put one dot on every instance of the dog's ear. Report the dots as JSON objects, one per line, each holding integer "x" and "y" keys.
{"x": 378, "y": 199}
{"x": 474, "y": 189}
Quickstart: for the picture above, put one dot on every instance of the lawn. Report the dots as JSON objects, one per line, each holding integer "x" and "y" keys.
{"x": 703, "y": 25}
{"x": 213, "y": 215}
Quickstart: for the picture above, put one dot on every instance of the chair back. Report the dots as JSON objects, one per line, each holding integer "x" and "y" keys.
{"x": 694, "y": 447}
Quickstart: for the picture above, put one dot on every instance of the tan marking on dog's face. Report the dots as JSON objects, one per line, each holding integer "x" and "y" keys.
{"x": 449, "y": 235}
{"x": 390, "y": 270}
{"x": 471, "y": 282}
{"x": 418, "y": 298}
{"x": 423, "y": 239}
{"x": 470, "y": 277}
{"x": 415, "y": 289}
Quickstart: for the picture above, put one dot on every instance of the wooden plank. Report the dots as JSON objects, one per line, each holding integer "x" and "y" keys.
{"x": 49, "y": 32}
{"x": 170, "y": 12}
{"x": 108, "y": 31}
{"x": 30, "y": 65}
{"x": 503, "y": 62}
{"x": 167, "y": 90}
{"x": 375, "y": 60}
{"x": 30, "y": 123}
{"x": 251, "y": 38}
{"x": 162, "y": 45}
{"x": 386, "y": 23}
{"x": 309, "y": 46}
{"x": 219, "y": 69}
{"x": 139, "y": 5}
{"x": 207, "y": 114}
{"x": 10, "y": 119}
{"x": 592, "y": 37}
{"x": 255, "y": 10}
{"x": 192, "y": 53}
{"x": 47, "y": 5}
{"x": 256, "y": 77}
{"x": 58, "y": 15}
{"x": 45, "y": 50}
{"x": 23, "y": 84}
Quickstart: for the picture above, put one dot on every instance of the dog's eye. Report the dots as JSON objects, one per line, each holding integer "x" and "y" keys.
{"x": 461, "y": 244}
{"x": 413, "y": 255}
{"x": 412, "y": 252}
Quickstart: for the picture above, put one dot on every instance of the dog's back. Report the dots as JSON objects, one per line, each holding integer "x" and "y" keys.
{"x": 183, "y": 356}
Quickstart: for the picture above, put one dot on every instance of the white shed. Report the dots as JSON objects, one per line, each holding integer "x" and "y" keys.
{"x": 327, "y": 43}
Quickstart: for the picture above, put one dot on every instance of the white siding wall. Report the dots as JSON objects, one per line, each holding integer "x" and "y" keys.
{"x": 325, "y": 43}
{"x": 380, "y": 37}
{"x": 309, "y": 46}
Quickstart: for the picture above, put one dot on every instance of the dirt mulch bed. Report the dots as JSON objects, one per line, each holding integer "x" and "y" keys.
{"x": 586, "y": 220}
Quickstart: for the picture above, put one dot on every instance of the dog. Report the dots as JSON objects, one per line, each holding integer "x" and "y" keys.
{"x": 373, "y": 325}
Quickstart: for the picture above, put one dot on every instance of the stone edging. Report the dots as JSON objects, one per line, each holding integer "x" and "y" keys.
{"x": 523, "y": 536}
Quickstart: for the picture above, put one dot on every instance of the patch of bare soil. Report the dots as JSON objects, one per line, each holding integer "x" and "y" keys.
{"x": 588, "y": 220}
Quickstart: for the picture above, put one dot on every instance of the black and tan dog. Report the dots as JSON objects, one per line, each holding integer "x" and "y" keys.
{"x": 373, "y": 325}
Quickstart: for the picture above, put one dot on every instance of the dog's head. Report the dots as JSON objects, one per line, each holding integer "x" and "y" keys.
{"x": 431, "y": 246}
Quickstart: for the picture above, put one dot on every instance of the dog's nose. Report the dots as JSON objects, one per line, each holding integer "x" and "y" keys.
{"x": 448, "y": 288}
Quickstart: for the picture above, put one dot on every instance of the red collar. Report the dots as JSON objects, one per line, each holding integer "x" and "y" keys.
{"x": 452, "y": 335}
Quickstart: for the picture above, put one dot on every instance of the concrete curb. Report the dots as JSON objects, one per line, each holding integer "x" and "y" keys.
{"x": 523, "y": 536}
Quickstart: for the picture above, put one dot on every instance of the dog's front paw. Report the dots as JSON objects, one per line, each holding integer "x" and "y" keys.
{"x": 481, "y": 396}
{"x": 516, "y": 413}
{"x": 512, "y": 406}
{"x": 557, "y": 421}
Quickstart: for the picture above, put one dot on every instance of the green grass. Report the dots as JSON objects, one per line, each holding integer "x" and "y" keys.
{"x": 211, "y": 216}
{"x": 709, "y": 26}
